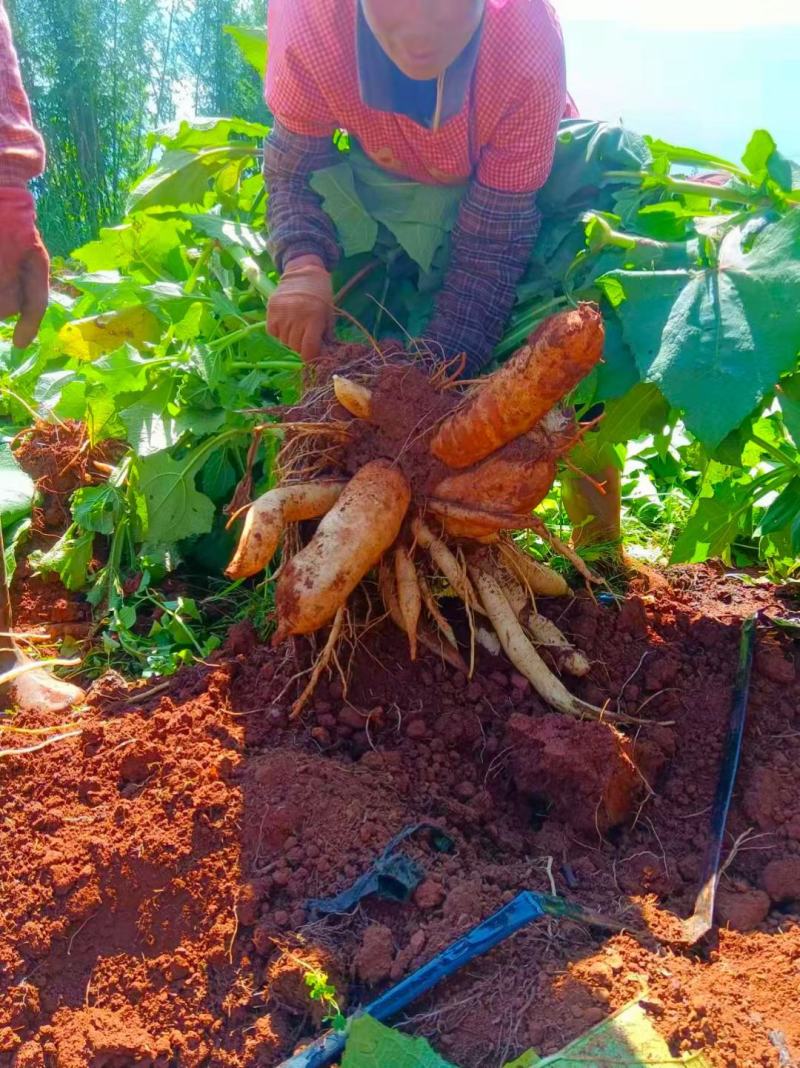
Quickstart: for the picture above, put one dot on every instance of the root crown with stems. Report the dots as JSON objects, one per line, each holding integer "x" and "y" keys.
{"x": 404, "y": 473}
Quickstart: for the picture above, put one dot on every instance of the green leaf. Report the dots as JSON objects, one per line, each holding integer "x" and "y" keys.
{"x": 585, "y": 152}
{"x": 419, "y": 216}
{"x": 69, "y": 558}
{"x": 527, "y": 1060}
{"x": 175, "y": 508}
{"x": 208, "y": 363}
{"x": 785, "y": 172}
{"x": 17, "y": 490}
{"x": 759, "y": 152}
{"x": 198, "y": 421}
{"x": 783, "y": 510}
{"x": 208, "y": 132}
{"x": 183, "y": 177}
{"x": 642, "y": 410}
{"x": 356, "y": 229}
{"x": 152, "y": 241}
{"x": 98, "y": 508}
{"x": 100, "y": 414}
{"x": 627, "y": 1038}
{"x": 618, "y": 372}
{"x": 47, "y": 393}
{"x": 13, "y": 537}
{"x": 121, "y": 371}
{"x": 230, "y": 233}
{"x": 691, "y": 156}
{"x": 717, "y": 339}
{"x": 372, "y": 1045}
{"x": 252, "y": 44}
{"x": 150, "y": 428}
{"x": 218, "y": 476}
{"x": 714, "y": 522}
{"x": 197, "y": 321}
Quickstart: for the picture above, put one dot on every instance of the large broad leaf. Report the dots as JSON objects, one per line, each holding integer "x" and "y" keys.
{"x": 70, "y": 559}
{"x": 585, "y": 152}
{"x": 642, "y": 410}
{"x": 717, "y": 339}
{"x": 150, "y": 426}
{"x": 175, "y": 507}
{"x": 371, "y": 1045}
{"x": 98, "y": 508}
{"x": 154, "y": 242}
{"x": 357, "y": 194}
{"x": 356, "y": 228}
{"x": 228, "y": 233}
{"x": 252, "y": 43}
{"x": 618, "y": 372}
{"x": 715, "y": 519}
{"x": 627, "y": 1038}
{"x": 86, "y": 339}
{"x": 16, "y": 488}
{"x": 203, "y": 131}
{"x": 419, "y": 216}
{"x": 183, "y": 177}
{"x": 784, "y": 509}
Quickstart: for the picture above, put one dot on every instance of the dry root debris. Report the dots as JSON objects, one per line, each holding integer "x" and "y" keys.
{"x": 426, "y": 482}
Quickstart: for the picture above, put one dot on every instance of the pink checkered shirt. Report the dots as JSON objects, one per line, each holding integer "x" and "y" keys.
{"x": 504, "y": 135}
{"x": 21, "y": 147}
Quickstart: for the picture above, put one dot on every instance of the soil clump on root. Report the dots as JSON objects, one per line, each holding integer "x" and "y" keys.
{"x": 156, "y": 868}
{"x": 405, "y": 408}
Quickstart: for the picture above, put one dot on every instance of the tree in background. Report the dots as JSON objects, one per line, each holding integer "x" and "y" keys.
{"x": 101, "y": 74}
{"x": 222, "y": 84}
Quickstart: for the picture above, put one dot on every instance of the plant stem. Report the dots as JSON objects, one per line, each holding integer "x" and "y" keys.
{"x": 200, "y": 453}
{"x": 271, "y": 365}
{"x": 4, "y": 390}
{"x": 202, "y": 260}
{"x": 676, "y": 185}
{"x": 251, "y": 270}
{"x": 775, "y": 452}
{"x": 519, "y": 335}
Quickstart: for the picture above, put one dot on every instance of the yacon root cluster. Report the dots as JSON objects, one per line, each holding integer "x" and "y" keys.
{"x": 421, "y": 480}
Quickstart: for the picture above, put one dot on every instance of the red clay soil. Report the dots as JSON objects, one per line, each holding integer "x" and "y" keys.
{"x": 60, "y": 459}
{"x": 154, "y": 868}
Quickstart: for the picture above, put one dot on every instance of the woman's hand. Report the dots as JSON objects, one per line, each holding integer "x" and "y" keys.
{"x": 300, "y": 311}
{"x": 24, "y": 265}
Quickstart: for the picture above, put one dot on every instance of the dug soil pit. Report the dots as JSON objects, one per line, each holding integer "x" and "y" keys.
{"x": 156, "y": 867}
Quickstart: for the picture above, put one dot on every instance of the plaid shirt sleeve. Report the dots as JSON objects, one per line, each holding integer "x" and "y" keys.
{"x": 298, "y": 225}
{"x": 491, "y": 245}
{"x": 21, "y": 147}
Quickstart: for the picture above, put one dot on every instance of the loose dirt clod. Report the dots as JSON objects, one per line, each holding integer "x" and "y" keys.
{"x": 585, "y": 771}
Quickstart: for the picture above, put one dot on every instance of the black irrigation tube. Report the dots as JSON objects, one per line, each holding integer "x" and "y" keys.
{"x": 702, "y": 919}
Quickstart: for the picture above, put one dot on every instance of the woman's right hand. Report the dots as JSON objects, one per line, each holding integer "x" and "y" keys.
{"x": 300, "y": 311}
